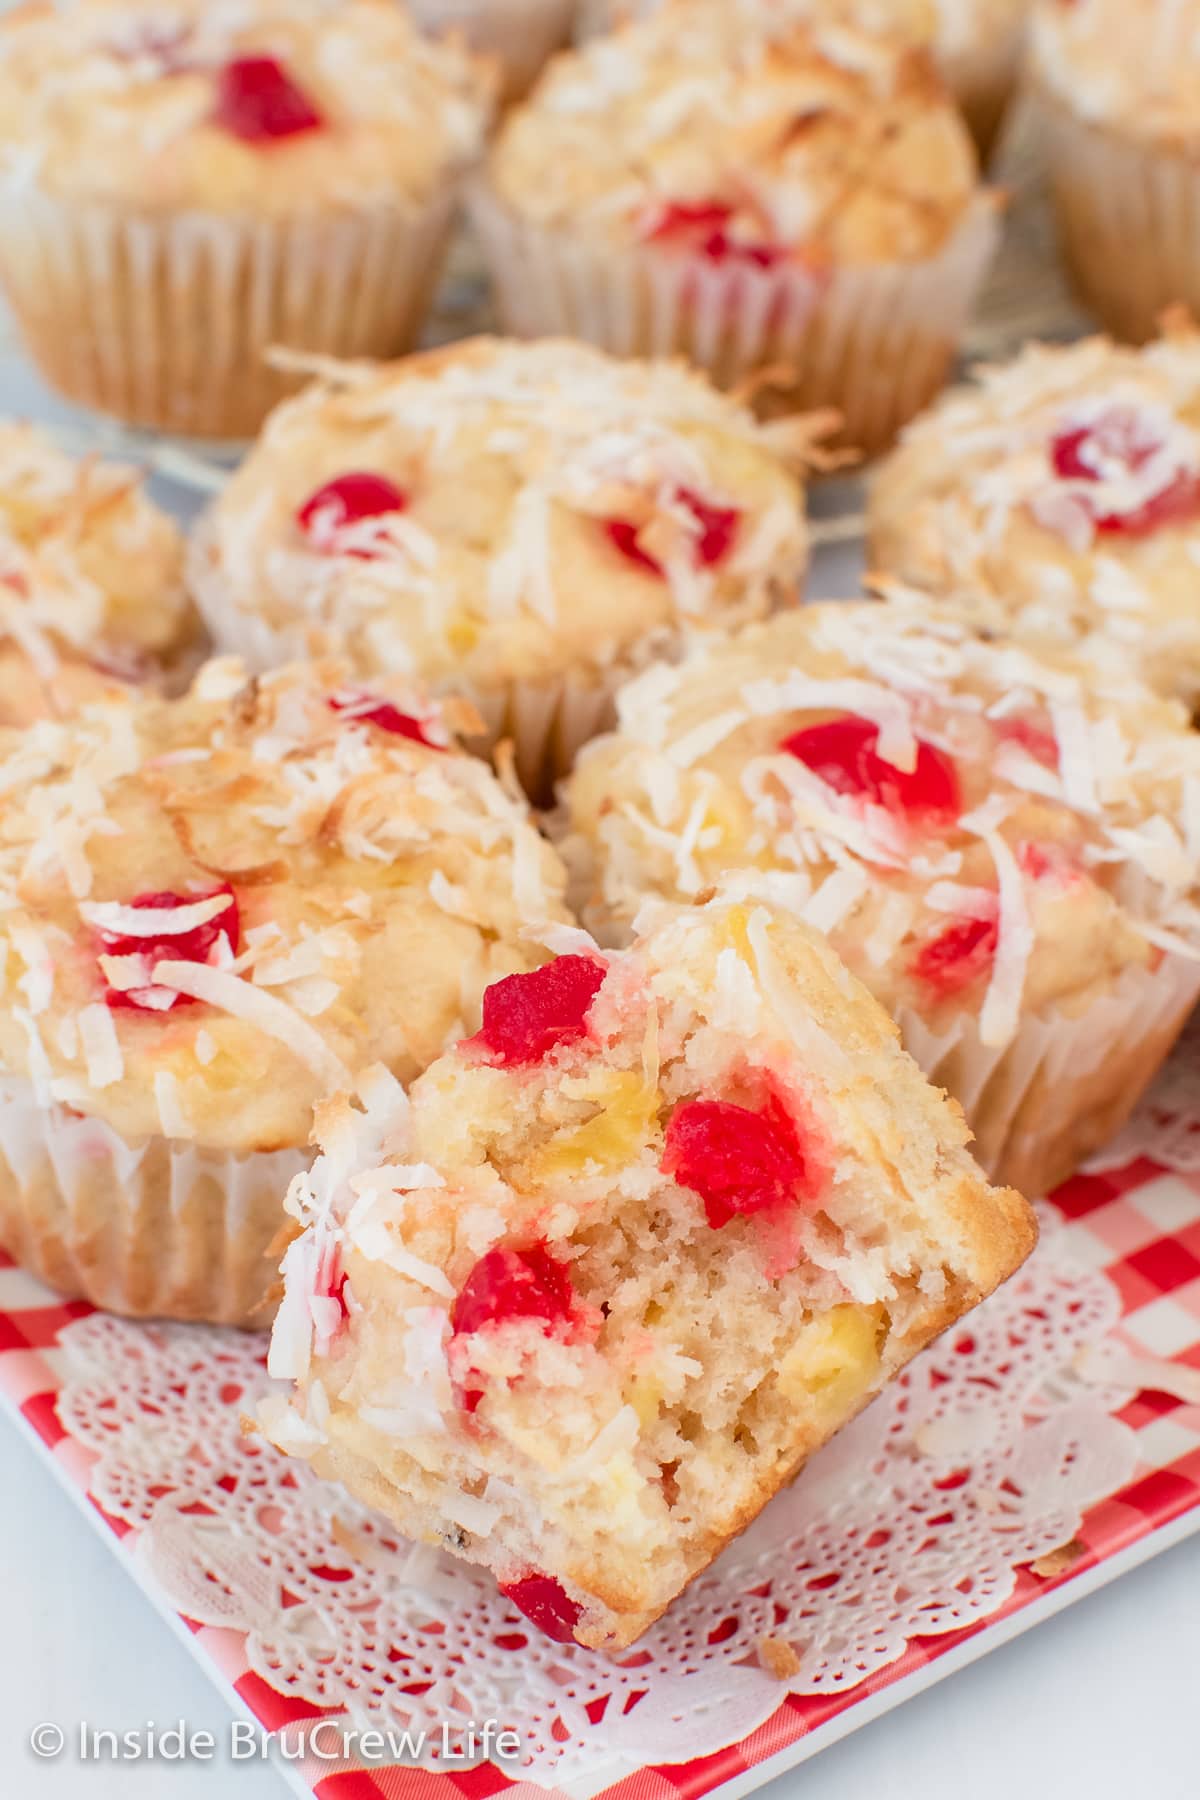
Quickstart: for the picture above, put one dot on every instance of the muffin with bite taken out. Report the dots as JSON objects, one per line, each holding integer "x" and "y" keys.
{"x": 999, "y": 844}
{"x": 217, "y": 909}
{"x": 618, "y": 1264}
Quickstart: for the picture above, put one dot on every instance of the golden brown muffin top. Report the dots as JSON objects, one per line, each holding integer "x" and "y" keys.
{"x": 91, "y": 579}
{"x": 1059, "y": 498}
{"x": 258, "y": 106}
{"x": 1132, "y": 64}
{"x": 743, "y": 132}
{"x": 975, "y": 827}
{"x": 216, "y": 909}
{"x": 611, "y": 503}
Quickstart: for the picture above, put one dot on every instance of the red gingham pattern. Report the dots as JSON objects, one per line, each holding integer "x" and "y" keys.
{"x": 1141, "y": 1224}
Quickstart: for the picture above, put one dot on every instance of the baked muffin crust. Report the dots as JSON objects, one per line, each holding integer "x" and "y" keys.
{"x": 1131, "y": 64}
{"x": 1058, "y": 500}
{"x": 91, "y": 580}
{"x": 153, "y": 105}
{"x": 978, "y": 830}
{"x": 802, "y": 141}
{"x": 611, "y": 504}
{"x": 217, "y": 908}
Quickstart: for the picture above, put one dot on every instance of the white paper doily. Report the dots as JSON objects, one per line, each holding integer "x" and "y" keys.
{"x": 982, "y": 1457}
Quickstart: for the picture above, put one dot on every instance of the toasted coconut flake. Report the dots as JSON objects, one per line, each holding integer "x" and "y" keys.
{"x": 111, "y": 917}
{"x": 101, "y": 1046}
{"x": 172, "y": 1117}
{"x": 269, "y": 1014}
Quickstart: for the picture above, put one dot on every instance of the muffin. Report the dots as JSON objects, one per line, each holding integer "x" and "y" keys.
{"x": 585, "y": 1301}
{"x": 185, "y": 183}
{"x": 518, "y": 35}
{"x": 1001, "y": 847}
{"x": 975, "y": 43}
{"x": 1118, "y": 86}
{"x": 522, "y": 524}
{"x": 91, "y": 582}
{"x": 790, "y": 204}
{"x": 1058, "y": 501}
{"x": 216, "y": 910}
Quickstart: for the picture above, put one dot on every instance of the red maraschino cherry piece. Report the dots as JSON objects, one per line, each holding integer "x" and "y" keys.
{"x": 958, "y": 956}
{"x": 738, "y": 1161}
{"x": 344, "y": 502}
{"x": 194, "y": 946}
{"x": 506, "y": 1285}
{"x": 718, "y": 527}
{"x": 703, "y": 226}
{"x": 1066, "y": 455}
{"x": 514, "y": 1284}
{"x": 366, "y": 710}
{"x": 526, "y": 1016}
{"x": 258, "y": 101}
{"x": 1119, "y": 437}
{"x": 545, "y": 1604}
{"x": 1175, "y": 504}
{"x": 843, "y": 753}
{"x": 716, "y": 530}
{"x": 623, "y": 534}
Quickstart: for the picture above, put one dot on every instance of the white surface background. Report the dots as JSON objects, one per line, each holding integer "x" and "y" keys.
{"x": 1102, "y": 1701}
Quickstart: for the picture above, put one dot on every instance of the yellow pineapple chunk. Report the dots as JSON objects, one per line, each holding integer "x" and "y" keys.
{"x": 644, "y": 1393}
{"x": 627, "y": 1109}
{"x": 462, "y": 632}
{"x": 835, "y": 1359}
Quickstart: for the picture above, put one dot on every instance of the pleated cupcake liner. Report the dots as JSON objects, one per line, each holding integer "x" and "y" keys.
{"x": 153, "y": 1229}
{"x": 875, "y": 341}
{"x": 165, "y": 321}
{"x": 1067, "y": 1082}
{"x": 1128, "y": 216}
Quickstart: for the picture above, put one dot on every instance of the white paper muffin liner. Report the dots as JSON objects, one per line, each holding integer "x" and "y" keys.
{"x": 519, "y": 34}
{"x": 875, "y": 342}
{"x": 1128, "y": 221}
{"x": 165, "y": 321}
{"x": 547, "y": 722}
{"x": 1065, "y": 1084}
{"x": 157, "y": 1229}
